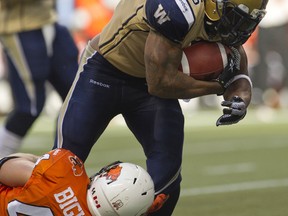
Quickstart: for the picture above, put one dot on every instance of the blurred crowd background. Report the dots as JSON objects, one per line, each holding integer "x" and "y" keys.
{"x": 267, "y": 52}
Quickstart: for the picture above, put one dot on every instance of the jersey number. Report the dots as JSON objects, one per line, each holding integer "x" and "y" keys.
{"x": 15, "y": 207}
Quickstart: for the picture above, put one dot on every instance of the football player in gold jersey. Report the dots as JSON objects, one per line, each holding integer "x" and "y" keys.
{"x": 131, "y": 68}
{"x": 38, "y": 50}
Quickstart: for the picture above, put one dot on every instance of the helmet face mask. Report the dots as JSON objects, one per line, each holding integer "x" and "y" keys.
{"x": 235, "y": 22}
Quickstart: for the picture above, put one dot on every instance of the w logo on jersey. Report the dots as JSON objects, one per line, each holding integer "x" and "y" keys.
{"x": 161, "y": 15}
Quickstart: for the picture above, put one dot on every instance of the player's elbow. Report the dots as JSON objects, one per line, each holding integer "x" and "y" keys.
{"x": 158, "y": 90}
{"x": 153, "y": 90}
{"x": 160, "y": 86}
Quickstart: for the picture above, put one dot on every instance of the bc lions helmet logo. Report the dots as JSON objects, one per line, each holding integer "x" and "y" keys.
{"x": 113, "y": 173}
{"x": 77, "y": 165}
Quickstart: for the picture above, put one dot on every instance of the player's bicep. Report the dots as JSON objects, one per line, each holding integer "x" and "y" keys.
{"x": 171, "y": 18}
{"x": 162, "y": 58}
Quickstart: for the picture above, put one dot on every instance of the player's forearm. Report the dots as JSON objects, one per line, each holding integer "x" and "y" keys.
{"x": 162, "y": 60}
{"x": 241, "y": 88}
{"x": 183, "y": 87}
{"x": 30, "y": 157}
{"x": 16, "y": 172}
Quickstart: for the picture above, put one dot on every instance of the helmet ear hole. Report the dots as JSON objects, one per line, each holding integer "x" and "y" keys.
{"x": 125, "y": 189}
{"x": 210, "y": 10}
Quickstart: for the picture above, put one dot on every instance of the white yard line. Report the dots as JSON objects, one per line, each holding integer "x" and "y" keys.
{"x": 220, "y": 147}
{"x": 235, "y": 187}
{"x": 229, "y": 168}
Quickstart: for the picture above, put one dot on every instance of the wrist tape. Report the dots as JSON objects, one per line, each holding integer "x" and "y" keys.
{"x": 240, "y": 76}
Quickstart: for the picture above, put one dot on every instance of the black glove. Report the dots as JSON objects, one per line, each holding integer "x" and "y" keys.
{"x": 233, "y": 66}
{"x": 234, "y": 113}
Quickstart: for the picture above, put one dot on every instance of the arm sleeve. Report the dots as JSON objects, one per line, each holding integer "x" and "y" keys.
{"x": 171, "y": 18}
{"x": 5, "y": 159}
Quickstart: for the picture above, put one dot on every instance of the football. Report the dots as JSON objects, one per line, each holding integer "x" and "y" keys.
{"x": 204, "y": 60}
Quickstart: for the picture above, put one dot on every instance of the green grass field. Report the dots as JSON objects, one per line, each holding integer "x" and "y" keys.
{"x": 239, "y": 170}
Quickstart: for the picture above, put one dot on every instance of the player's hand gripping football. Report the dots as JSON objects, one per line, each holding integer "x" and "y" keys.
{"x": 235, "y": 111}
{"x": 233, "y": 66}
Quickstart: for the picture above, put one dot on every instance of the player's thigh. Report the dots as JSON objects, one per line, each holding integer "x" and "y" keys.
{"x": 87, "y": 110}
{"x": 64, "y": 61}
{"x": 28, "y": 52}
{"x": 159, "y": 126}
{"x": 28, "y": 65}
{"x": 157, "y": 123}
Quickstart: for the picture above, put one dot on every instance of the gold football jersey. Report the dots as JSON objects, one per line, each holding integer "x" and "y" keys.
{"x": 24, "y": 15}
{"x": 122, "y": 41}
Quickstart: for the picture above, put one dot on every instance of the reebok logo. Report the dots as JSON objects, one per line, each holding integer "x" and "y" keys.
{"x": 99, "y": 83}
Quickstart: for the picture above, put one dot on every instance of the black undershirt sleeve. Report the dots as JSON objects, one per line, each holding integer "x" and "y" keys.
{"x": 5, "y": 159}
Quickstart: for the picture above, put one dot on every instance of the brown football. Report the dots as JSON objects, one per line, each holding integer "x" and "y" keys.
{"x": 204, "y": 60}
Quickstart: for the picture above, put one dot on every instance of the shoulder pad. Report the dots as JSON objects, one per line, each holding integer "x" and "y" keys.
{"x": 171, "y": 18}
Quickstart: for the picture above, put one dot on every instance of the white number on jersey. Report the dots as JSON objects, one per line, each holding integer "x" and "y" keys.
{"x": 15, "y": 207}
